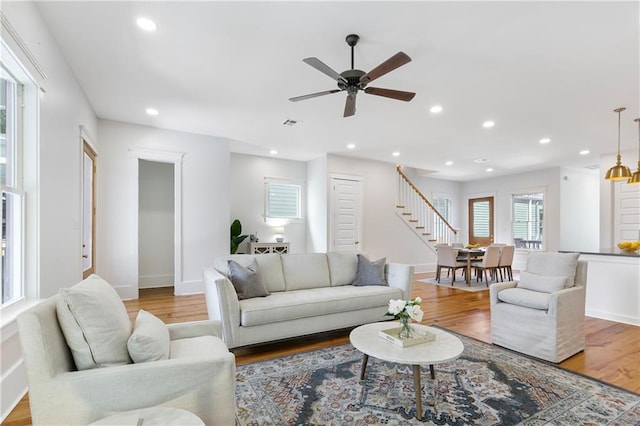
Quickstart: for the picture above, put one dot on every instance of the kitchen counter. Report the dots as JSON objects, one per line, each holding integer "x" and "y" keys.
{"x": 613, "y": 285}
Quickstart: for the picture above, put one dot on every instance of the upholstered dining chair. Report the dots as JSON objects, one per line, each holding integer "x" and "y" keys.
{"x": 82, "y": 371}
{"x": 542, "y": 314}
{"x": 447, "y": 259}
{"x": 489, "y": 264}
{"x": 506, "y": 260}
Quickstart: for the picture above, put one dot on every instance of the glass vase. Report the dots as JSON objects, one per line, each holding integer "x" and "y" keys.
{"x": 405, "y": 329}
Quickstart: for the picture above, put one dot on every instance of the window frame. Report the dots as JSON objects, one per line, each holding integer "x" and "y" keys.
{"x": 26, "y": 181}
{"x": 268, "y": 216}
{"x": 541, "y": 222}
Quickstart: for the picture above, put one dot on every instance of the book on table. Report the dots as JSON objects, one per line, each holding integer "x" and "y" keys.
{"x": 419, "y": 336}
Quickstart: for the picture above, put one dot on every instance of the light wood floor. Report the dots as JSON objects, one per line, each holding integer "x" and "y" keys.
{"x": 612, "y": 353}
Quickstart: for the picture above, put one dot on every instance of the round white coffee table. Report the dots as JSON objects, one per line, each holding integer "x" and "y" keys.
{"x": 446, "y": 347}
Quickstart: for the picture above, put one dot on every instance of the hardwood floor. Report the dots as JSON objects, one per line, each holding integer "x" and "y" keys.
{"x": 612, "y": 353}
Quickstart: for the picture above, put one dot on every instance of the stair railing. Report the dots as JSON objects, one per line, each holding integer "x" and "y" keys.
{"x": 421, "y": 214}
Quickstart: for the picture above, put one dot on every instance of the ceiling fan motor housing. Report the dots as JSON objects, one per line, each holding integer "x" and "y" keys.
{"x": 353, "y": 79}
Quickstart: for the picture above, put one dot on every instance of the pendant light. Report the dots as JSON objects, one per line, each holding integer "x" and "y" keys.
{"x": 618, "y": 172}
{"x": 635, "y": 178}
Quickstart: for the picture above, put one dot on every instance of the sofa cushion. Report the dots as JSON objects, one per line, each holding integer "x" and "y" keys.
{"x": 554, "y": 264}
{"x": 302, "y": 271}
{"x": 150, "y": 339}
{"x": 246, "y": 281}
{"x": 269, "y": 265}
{"x": 541, "y": 283}
{"x": 95, "y": 323}
{"x": 523, "y": 297}
{"x": 342, "y": 267}
{"x": 370, "y": 273}
{"x": 296, "y": 304}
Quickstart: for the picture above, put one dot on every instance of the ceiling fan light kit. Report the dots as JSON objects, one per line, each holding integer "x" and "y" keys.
{"x": 354, "y": 80}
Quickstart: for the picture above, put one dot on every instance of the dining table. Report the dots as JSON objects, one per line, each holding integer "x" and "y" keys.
{"x": 470, "y": 254}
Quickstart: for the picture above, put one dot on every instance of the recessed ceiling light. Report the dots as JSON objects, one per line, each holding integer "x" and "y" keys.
{"x": 273, "y": 152}
{"x": 480, "y": 160}
{"x": 488, "y": 124}
{"x": 351, "y": 146}
{"x": 146, "y": 24}
{"x": 152, "y": 111}
{"x": 585, "y": 152}
{"x": 545, "y": 140}
{"x": 395, "y": 154}
{"x": 436, "y": 109}
{"x": 489, "y": 169}
{"x": 448, "y": 163}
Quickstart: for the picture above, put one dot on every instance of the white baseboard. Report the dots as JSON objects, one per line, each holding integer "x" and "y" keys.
{"x": 625, "y": 319}
{"x": 153, "y": 281}
{"x": 423, "y": 268}
{"x": 13, "y": 381}
{"x": 189, "y": 287}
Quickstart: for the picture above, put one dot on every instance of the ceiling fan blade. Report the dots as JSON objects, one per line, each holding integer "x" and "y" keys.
{"x": 389, "y": 93}
{"x": 314, "y": 95}
{"x": 324, "y": 68}
{"x": 396, "y": 61}
{"x": 350, "y": 105}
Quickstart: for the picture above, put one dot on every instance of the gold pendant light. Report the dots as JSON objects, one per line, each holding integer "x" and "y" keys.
{"x": 635, "y": 178}
{"x": 618, "y": 172}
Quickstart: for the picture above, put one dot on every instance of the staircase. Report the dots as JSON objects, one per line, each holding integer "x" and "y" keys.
{"x": 420, "y": 215}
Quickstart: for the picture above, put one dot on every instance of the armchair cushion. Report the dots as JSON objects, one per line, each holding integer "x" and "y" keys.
{"x": 541, "y": 283}
{"x": 149, "y": 340}
{"x": 95, "y": 324}
{"x": 370, "y": 273}
{"x": 246, "y": 280}
{"x": 554, "y": 264}
{"x": 527, "y": 298}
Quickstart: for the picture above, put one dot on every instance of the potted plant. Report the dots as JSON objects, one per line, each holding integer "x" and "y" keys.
{"x": 236, "y": 237}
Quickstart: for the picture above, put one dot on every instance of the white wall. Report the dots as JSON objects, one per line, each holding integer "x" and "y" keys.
{"x": 317, "y": 206}
{"x": 384, "y": 233}
{"x": 156, "y": 222}
{"x": 246, "y": 199}
{"x": 63, "y": 109}
{"x": 579, "y": 211}
{"x": 205, "y": 205}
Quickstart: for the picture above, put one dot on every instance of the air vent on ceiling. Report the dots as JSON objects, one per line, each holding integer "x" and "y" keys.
{"x": 289, "y": 122}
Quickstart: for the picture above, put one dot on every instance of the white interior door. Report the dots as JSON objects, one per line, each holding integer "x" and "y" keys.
{"x": 346, "y": 214}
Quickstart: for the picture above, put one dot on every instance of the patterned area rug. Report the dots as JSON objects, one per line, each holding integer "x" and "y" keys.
{"x": 487, "y": 385}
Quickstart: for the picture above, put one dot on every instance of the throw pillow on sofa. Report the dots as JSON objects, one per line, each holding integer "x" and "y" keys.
{"x": 95, "y": 323}
{"x": 370, "y": 273}
{"x": 246, "y": 281}
{"x": 150, "y": 339}
{"x": 541, "y": 283}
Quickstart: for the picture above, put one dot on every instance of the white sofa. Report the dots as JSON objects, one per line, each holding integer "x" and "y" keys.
{"x": 308, "y": 293}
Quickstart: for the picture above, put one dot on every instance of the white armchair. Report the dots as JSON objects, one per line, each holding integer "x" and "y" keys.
{"x": 542, "y": 314}
{"x": 199, "y": 375}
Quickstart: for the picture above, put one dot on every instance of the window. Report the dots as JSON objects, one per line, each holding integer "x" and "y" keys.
{"x": 11, "y": 263}
{"x": 528, "y": 211}
{"x": 19, "y": 97}
{"x": 282, "y": 199}
{"x": 443, "y": 206}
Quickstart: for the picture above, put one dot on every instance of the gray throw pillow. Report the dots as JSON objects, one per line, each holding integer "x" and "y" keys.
{"x": 370, "y": 273}
{"x": 247, "y": 281}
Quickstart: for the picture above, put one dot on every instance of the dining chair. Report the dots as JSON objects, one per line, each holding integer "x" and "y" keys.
{"x": 506, "y": 259}
{"x": 489, "y": 263}
{"x": 447, "y": 259}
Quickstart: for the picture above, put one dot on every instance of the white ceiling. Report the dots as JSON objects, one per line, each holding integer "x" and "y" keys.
{"x": 538, "y": 69}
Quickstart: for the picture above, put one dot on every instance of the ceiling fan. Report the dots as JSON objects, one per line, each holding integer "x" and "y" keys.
{"x": 354, "y": 80}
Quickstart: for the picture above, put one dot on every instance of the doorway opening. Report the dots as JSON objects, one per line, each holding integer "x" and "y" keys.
{"x": 156, "y": 199}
